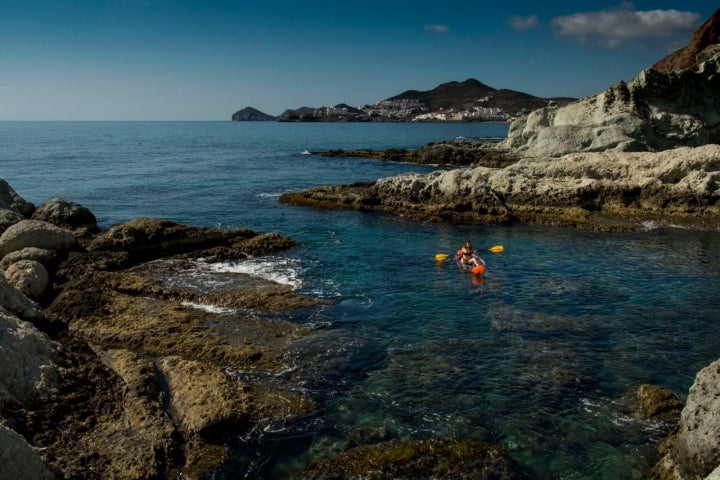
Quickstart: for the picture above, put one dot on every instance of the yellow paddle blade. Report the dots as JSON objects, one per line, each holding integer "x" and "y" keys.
{"x": 497, "y": 249}
{"x": 441, "y": 256}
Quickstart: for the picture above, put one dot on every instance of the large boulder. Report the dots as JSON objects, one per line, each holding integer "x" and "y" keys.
{"x": 66, "y": 214}
{"x": 29, "y": 362}
{"x": 654, "y": 111}
{"x": 34, "y": 233}
{"x": 19, "y": 460}
{"x": 49, "y": 258}
{"x": 14, "y": 302}
{"x": 28, "y": 276}
{"x": 694, "y": 450}
{"x": 10, "y": 200}
{"x": 9, "y": 217}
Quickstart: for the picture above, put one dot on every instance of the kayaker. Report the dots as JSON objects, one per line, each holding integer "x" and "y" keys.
{"x": 467, "y": 255}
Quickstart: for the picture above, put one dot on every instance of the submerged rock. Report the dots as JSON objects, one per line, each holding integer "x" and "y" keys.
{"x": 657, "y": 403}
{"x": 508, "y": 318}
{"x": 444, "y": 458}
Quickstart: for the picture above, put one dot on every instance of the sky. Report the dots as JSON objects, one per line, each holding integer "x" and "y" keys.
{"x": 204, "y": 60}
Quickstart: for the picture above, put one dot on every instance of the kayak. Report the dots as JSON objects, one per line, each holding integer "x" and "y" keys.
{"x": 474, "y": 269}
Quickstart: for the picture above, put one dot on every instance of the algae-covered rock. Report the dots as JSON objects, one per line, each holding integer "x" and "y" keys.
{"x": 446, "y": 458}
{"x": 657, "y": 403}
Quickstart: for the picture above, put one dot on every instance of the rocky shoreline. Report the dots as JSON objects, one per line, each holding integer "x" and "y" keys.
{"x": 112, "y": 367}
{"x": 116, "y": 364}
{"x": 610, "y": 191}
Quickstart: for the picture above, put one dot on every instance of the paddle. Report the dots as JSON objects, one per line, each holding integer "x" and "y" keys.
{"x": 444, "y": 256}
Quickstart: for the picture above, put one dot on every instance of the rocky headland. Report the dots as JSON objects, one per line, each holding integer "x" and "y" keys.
{"x": 645, "y": 151}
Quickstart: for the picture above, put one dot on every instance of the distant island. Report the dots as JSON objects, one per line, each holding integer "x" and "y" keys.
{"x": 468, "y": 101}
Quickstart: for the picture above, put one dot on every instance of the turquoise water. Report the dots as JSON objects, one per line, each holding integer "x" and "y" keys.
{"x": 536, "y": 356}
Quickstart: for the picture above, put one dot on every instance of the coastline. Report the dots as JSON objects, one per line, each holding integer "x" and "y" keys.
{"x": 125, "y": 337}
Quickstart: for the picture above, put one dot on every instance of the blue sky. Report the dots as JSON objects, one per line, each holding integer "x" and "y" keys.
{"x": 203, "y": 60}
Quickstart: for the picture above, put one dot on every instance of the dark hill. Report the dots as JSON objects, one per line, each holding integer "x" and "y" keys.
{"x": 297, "y": 114}
{"x": 250, "y": 114}
{"x": 449, "y": 95}
{"x": 460, "y": 95}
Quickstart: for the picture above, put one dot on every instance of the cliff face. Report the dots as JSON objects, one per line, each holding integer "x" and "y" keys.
{"x": 685, "y": 59}
{"x": 653, "y": 112}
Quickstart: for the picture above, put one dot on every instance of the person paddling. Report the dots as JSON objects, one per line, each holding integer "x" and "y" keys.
{"x": 467, "y": 256}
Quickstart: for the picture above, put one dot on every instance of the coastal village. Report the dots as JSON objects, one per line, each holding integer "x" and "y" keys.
{"x": 467, "y": 101}
{"x": 414, "y": 110}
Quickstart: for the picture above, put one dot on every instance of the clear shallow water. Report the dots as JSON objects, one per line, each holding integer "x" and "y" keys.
{"x": 537, "y": 356}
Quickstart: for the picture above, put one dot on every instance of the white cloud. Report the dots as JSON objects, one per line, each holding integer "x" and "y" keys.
{"x": 524, "y": 23}
{"x": 435, "y": 27}
{"x": 610, "y": 28}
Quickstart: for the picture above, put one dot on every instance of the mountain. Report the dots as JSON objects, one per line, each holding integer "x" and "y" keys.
{"x": 250, "y": 114}
{"x": 460, "y": 95}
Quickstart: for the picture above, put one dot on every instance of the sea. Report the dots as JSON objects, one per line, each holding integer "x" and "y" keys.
{"x": 540, "y": 355}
